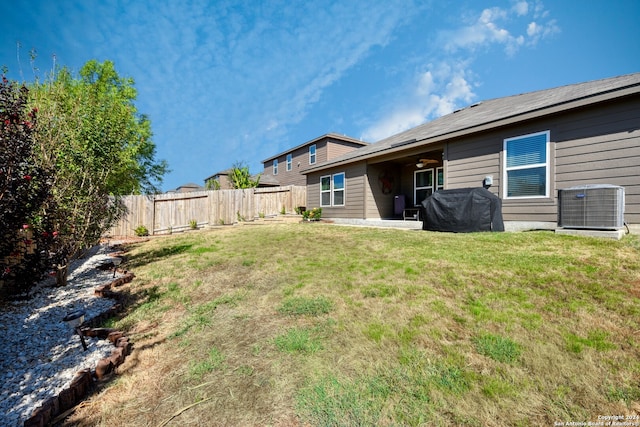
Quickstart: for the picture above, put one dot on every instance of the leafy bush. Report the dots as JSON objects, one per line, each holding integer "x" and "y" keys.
{"x": 24, "y": 188}
{"x": 91, "y": 134}
{"x": 313, "y": 215}
{"x": 241, "y": 178}
{"x": 141, "y": 231}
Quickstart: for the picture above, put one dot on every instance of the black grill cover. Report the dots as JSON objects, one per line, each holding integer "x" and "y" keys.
{"x": 462, "y": 210}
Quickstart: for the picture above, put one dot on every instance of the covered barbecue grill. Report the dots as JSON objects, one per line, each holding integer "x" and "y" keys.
{"x": 462, "y": 210}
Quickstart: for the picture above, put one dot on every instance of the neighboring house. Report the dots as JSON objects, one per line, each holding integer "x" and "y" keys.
{"x": 286, "y": 168}
{"x": 187, "y": 188}
{"x": 526, "y": 146}
{"x": 219, "y": 181}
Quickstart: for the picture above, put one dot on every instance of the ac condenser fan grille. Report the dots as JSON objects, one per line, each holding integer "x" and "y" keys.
{"x": 591, "y": 206}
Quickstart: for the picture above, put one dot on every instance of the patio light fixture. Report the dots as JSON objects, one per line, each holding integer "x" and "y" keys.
{"x": 75, "y": 320}
{"x": 116, "y": 262}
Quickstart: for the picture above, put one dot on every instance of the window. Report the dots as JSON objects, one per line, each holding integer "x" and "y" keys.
{"x": 275, "y": 167}
{"x": 312, "y": 154}
{"x": 332, "y": 189}
{"x": 423, "y": 188}
{"x": 289, "y": 161}
{"x": 440, "y": 179}
{"x": 325, "y": 190}
{"x": 338, "y": 190}
{"x": 527, "y": 165}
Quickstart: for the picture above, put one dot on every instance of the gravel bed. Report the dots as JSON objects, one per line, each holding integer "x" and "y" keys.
{"x": 39, "y": 353}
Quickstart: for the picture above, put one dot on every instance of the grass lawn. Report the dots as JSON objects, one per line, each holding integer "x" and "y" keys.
{"x": 314, "y": 324}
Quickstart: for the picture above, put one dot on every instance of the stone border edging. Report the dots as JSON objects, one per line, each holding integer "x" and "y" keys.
{"x": 84, "y": 380}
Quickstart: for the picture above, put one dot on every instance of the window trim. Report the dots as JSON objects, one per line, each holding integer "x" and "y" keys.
{"x": 312, "y": 156}
{"x": 546, "y": 165}
{"x": 325, "y": 191}
{"x": 333, "y": 190}
{"x": 439, "y": 170}
{"x": 275, "y": 166}
{"x": 416, "y": 188}
{"x": 289, "y": 161}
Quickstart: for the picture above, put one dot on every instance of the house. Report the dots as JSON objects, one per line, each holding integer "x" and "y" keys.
{"x": 524, "y": 148}
{"x": 187, "y": 188}
{"x": 286, "y": 168}
{"x": 219, "y": 181}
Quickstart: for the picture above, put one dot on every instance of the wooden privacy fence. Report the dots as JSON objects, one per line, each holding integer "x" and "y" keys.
{"x": 164, "y": 213}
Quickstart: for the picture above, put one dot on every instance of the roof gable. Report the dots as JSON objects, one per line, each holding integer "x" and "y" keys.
{"x": 334, "y": 136}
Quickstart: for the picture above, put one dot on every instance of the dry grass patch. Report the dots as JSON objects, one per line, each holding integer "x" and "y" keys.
{"x": 320, "y": 325}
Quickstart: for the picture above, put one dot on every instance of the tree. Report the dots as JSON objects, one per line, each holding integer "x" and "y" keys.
{"x": 212, "y": 184}
{"x": 241, "y": 178}
{"x": 100, "y": 148}
{"x": 24, "y": 188}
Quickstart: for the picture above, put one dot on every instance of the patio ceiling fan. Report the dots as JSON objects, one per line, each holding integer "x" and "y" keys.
{"x": 420, "y": 163}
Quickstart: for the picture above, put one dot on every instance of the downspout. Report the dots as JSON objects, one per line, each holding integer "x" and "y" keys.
{"x": 366, "y": 188}
{"x": 445, "y": 166}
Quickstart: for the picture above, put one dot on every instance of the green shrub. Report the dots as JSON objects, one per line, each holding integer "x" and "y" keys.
{"x": 313, "y": 215}
{"x": 141, "y": 231}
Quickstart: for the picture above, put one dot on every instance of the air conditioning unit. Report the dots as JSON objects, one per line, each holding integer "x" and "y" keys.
{"x": 596, "y": 206}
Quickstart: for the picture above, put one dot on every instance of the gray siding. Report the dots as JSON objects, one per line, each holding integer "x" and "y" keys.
{"x": 469, "y": 161}
{"x": 337, "y": 148}
{"x": 597, "y": 145}
{"x": 379, "y": 205}
{"x": 603, "y": 147}
{"x": 355, "y": 175}
{"x": 301, "y": 157}
{"x": 325, "y": 150}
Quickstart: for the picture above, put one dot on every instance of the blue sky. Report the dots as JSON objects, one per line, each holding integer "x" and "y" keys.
{"x": 230, "y": 81}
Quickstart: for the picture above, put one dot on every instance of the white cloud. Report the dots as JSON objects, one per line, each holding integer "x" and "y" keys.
{"x": 275, "y": 69}
{"x": 245, "y": 74}
{"x": 521, "y": 8}
{"x": 503, "y": 27}
{"x": 444, "y": 87}
{"x": 438, "y": 91}
{"x": 537, "y": 31}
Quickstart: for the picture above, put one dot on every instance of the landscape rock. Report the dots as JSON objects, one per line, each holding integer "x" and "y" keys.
{"x": 40, "y": 354}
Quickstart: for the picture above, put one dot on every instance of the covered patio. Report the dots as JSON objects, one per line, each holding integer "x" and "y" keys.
{"x": 399, "y": 184}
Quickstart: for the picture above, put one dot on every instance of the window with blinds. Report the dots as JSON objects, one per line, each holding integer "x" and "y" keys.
{"x": 527, "y": 166}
